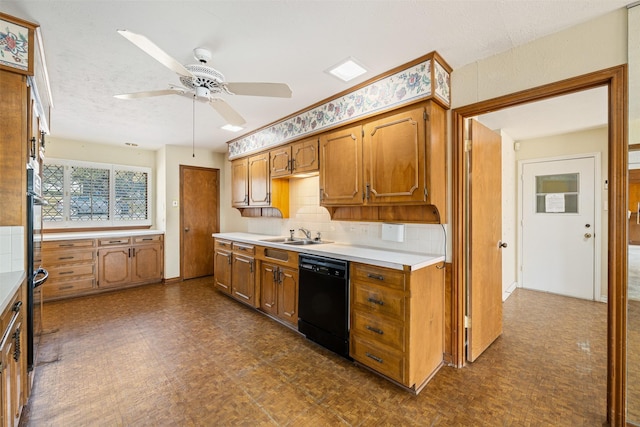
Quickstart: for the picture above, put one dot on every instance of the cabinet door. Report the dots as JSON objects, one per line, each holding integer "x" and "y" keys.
{"x": 394, "y": 158}
{"x": 243, "y": 279}
{"x": 269, "y": 288}
{"x": 341, "y": 167}
{"x": 222, "y": 270}
{"x": 288, "y": 295}
{"x": 280, "y": 159}
{"x": 114, "y": 267}
{"x": 305, "y": 156}
{"x": 259, "y": 181}
{"x": 240, "y": 182}
{"x": 147, "y": 263}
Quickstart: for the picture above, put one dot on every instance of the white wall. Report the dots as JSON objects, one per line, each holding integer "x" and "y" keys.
{"x": 509, "y": 216}
{"x": 588, "y": 141}
{"x": 172, "y": 157}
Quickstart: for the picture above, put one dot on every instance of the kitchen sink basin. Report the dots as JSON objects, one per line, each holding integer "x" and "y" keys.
{"x": 296, "y": 242}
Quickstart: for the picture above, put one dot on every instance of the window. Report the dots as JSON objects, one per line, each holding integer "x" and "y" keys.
{"x": 557, "y": 193}
{"x": 82, "y": 194}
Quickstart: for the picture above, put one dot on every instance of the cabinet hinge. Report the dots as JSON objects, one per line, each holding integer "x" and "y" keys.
{"x": 426, "y": 192}
{"x": 467, "y": 145}
{"x": 425, "y": 115}
{"x": 467, "y": 322}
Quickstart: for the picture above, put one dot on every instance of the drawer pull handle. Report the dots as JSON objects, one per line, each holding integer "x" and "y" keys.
{"x": 375, "y": 276}
{"x": 115, "y": 241}
{"x": 147, "y": 238}
{"x": 66, "y": 245}
{"x": 16, "y": 306}
{"x": 65, "y": 257}
{"x": 376, "y": 358}
{"x": 66, "y": 272}
{"x": 62, "y": 288}
{"x": 376, "y": 330}
{"x": 375, "y": 301}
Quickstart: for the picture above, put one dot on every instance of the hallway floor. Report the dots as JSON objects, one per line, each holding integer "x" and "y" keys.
{"x": 184, "y": 354}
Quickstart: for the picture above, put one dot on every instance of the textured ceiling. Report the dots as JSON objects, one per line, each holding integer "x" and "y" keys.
{"x": 273, "y": 41}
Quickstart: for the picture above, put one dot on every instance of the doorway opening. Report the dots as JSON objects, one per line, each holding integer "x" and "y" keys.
{"x": 614, "y": 80}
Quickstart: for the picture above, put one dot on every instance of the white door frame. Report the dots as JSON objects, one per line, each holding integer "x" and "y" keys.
{"x": 597, "y": 200}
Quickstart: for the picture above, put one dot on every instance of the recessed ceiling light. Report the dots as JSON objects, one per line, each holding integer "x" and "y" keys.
{"x": 232, "y": 128}
{"x": 131, "y": 144}
{"x": 347, "y": 69}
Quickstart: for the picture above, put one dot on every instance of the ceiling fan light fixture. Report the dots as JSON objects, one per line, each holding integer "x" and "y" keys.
{"x": 232, "y": 128}
{"x": 347, "y": 69}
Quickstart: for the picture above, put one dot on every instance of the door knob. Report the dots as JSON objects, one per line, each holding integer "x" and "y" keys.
{"x": 186, "y": 229}
{"x": 502, "y": 244}
{"x": 587, "y": 235}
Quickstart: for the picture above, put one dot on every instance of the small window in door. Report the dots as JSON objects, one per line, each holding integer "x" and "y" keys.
{"x": 557, "y": 194}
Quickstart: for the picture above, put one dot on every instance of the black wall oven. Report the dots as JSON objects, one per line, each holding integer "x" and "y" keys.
{"x": 36, "y": 275}
{"x": 323, "y": 302}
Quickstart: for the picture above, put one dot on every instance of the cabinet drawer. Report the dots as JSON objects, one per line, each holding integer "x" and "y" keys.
{"x": 379, "y": 329}
{"x": 377, "y": 299}
{"x": 223, "y": 244}
{"x": 55, "y": 289}
{"x": 67, "y": 256}
{"x": 66, "y": 271}
{"x": 243, "y": 248}
{"x": 147, "y": 239}
{"x": 114, "y": 241}
{"x": 378, "y": 275}
{"x": 388, "y": 363}
{"x": 67, "y": 244}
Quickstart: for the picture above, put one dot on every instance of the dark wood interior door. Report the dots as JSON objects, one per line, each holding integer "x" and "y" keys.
{"x": 199, "y": 219}
{"x": 484, "y": 283}
{"x": 634, "y": 206}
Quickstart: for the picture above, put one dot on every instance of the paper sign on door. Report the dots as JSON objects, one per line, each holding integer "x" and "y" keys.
{"x": 554, "y": 202}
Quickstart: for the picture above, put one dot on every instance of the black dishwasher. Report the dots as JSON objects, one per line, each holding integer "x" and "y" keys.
{"x": 323, "y": 302}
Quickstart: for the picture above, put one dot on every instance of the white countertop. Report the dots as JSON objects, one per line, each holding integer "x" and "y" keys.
{"x": 383, "y": 258}
{"x": 96, "y": 234}
{"x": 9, "y": 284}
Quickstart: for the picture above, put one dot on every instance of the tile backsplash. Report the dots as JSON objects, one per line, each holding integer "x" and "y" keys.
{"x": 11, "y": 249}
{"x": 305, "y": 211}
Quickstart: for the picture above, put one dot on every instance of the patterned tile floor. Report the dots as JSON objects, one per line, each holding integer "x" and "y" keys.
{"x": 183, "y": 354}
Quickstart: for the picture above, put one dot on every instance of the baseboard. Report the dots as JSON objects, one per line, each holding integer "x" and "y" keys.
{"x": 506, "y": 294}
{"x": 172, "y": 280}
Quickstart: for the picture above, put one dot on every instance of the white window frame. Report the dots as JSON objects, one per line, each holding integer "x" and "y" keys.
{"x": 112, "y": 222}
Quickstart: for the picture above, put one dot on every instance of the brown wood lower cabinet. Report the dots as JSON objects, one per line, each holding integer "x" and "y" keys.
{"x": 130, "y": 261}
{"x": 85, "y": 266}
{"x": 13, "y": 351}
{"x": 397, "y": 322}
{"x": 279, "y": 283}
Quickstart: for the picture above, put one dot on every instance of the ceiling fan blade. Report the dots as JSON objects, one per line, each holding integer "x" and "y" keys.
{"x": 150, "y": 94}
{"x": 279, "y": 90}
{"x": 229, "y": 114}
{"x": 155, "y": 52}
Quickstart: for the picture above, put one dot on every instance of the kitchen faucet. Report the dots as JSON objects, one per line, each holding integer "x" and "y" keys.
{"x": 306, "y": 232}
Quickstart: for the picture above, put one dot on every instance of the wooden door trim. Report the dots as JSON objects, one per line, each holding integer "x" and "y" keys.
{"x": 615, "y": 78}
{"x": 217, "y": 213}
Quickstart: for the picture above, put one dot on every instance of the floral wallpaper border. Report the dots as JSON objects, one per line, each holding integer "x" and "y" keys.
{"x": 400, "y": 88}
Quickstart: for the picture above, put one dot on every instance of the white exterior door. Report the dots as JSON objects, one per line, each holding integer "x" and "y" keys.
{"x": 558, "y": 226}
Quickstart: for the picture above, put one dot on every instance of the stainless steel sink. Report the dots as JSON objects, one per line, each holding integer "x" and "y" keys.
{"x": 297, "y": 242}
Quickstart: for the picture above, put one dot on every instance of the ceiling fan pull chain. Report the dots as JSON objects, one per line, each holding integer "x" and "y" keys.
{"x": 193, "y": 131}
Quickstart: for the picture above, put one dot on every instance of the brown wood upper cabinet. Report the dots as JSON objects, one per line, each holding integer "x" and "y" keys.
{"x": 398, "y": 158}
{"x": 294, "y": 158}
{"x": 251, "y": 185}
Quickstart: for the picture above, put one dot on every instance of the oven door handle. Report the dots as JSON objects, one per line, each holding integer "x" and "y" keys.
{"x": 43, "y": 279}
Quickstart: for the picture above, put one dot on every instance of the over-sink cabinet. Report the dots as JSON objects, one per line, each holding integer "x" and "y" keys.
{"x": 279, "y": 283}
{"x": 295, "y": 158}
{"x": 397, "y": 158}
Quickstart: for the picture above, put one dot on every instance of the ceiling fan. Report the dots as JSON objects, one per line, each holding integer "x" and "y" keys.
{"x": 201, "y": 81}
